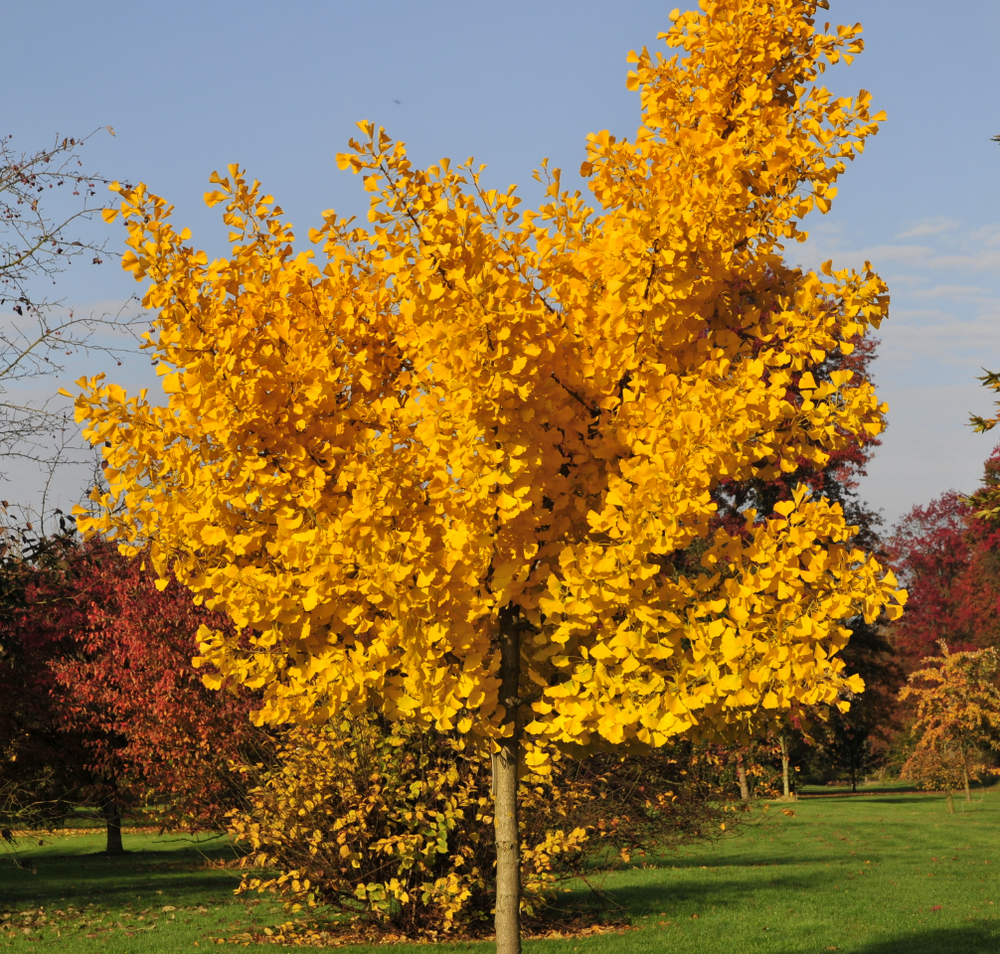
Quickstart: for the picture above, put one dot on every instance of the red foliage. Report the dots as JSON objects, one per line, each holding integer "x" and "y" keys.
{"x": 931, "y": 557}
{"x": 949, "y": 560}
{"x": 108, "y": 690}
{"x": 981, "y": 603}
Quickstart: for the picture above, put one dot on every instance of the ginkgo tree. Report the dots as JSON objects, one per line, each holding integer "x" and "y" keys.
{"x": 459, "y": 464}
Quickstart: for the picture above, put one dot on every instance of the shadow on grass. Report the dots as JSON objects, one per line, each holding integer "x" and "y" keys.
{"x": 840, "y": 792}
{"x": 919, "y": 799}
{"x": 894, "y": 796}
{"x": 175, "y": 875}
{"x": 717, "y": 861}
{"x": 973, "y": 939}
{"x": 643, "y": 900}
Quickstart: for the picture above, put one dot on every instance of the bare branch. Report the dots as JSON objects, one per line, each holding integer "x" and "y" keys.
{"x": 47, "y": 198}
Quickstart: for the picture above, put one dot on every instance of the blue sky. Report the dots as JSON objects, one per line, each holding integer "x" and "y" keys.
{"x": 189, "y": 87}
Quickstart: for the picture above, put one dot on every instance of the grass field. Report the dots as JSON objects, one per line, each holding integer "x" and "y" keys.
{"x": 869, "y": 874}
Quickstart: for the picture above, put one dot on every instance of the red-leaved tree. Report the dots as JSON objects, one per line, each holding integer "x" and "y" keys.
{"x": 981, "y": 597}
{"x": 947, "y": 555}
{"x": 932, "y": 556}
{"x": 100, "y": 660}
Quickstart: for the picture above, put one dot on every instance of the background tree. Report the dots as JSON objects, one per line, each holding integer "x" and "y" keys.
{"x": 38, "y": 788}
{"x": 99, "y": 691}
{"x": 931, "y": 554}
{"x": 980, "y": 605}
{"x": 948, "y": 556}
{"x": 47, "y": 198}
{"x": 751, "y": 770}
{"x": 956, "y": 703}
{"x": 857, "y": 741}
{"x": 464, "y": 470}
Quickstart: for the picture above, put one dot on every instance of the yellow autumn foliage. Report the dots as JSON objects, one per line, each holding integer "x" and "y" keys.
{"x": 954, "y": 699}
{"x": 368, "y": 450}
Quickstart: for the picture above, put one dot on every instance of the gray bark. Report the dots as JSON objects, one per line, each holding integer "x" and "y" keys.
{"x": 784, "y": 765}
{"x": 741, "y": 775}
{"x": 505, "y": 764}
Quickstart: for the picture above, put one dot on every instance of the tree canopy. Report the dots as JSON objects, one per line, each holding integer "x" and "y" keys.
{"x": 468, "y": 408}
{"x": 460, "y": 464}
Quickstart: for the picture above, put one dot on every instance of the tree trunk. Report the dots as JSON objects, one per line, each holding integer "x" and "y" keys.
{"x": 741, "y": 774}
{"x": 965, "y": 778}
{"x": 505, "y": 764}
{"x": 113, "y": 819}
{"x": 783, "y": 742}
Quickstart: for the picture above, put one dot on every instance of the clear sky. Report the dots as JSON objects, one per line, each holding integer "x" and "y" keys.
{"x": 277, "y": 87}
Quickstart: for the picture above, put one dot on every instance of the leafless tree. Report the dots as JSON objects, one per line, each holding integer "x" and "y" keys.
{"x": 46, "y": 199}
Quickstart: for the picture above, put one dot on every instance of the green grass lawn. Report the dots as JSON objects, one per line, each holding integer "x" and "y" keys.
{"x": 166, "y": 894}
{"x": 878, "y": 873}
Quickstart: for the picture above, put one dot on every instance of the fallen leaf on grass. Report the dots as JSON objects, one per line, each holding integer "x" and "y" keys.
{"x": 319, "y": 936}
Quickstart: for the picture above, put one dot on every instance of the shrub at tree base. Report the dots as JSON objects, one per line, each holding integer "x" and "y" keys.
{"x": 392, "y": 828}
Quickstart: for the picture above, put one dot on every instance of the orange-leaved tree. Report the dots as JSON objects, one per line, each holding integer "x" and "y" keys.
{"x": 956, "y": 702}
{"x": 461, "y": 468}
